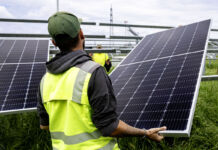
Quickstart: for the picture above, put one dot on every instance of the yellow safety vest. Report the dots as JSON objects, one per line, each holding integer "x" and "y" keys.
{"x": 100, "y": 58}
{"x": 65, "y": 98}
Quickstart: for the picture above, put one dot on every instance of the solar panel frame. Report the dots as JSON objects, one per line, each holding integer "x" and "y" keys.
{"x": 15, "y": 111}
{"x": 186, "y": 132}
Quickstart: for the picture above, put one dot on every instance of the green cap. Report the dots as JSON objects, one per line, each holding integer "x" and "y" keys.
{"x": 63, "y": 23}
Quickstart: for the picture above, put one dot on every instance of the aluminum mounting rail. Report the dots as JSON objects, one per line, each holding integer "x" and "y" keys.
{"x": 209, "y": 77}
{"x": 141, "y": 26}
{"x": 37, "y": 21}
{"x": 55, "y": 51}
{"x": 41, "y": 35}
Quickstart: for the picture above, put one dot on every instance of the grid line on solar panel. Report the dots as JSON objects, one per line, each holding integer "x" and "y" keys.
{"x": 176, "y": 81}
{"x": 162, "y": 73}
{"x": 181, "y": 48}
{"x": 1, "y": 43}
{"x": 11, "y": 51}
{"x": 21, "y": 69}
{"x": 137, "y": 50}
{"x": 147, "y": 72}
{"x": 28, "y": 86}
{"x": 38, "y": 72}
{"x": 201, "y": 35}
{"x": 20, "y": 87}
{"x": 12, "y": 80}
{"x": 30, "y": 52}
{"x": 5, "y": 54}
{"x": 160, "y": 58}
{"x": 145, "y": 47}
{"x": 18, "y": 91}
{"x": 188, "y": 88}
{"x": 171, "y": 70}
{"x": 188, "y": 74}
{"x": 147, "y": 54}
{"x": 42, "y": 48}
{"x": 18, "y": 49}
{"x": 22, "y": 63}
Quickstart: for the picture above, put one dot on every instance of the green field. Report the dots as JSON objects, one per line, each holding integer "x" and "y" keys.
{"x": 21, "y": 131}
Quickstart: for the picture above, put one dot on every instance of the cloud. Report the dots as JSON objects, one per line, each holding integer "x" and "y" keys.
{"x": 4, "y": 13}
{"x": 42, "y": 13}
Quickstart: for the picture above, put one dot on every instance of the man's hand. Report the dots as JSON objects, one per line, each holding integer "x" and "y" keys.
{"x": 44, "y": 127}
{"x": 124, "y": 130}
{"x": 107, "y": 62}
{"x": 153, "y": 134}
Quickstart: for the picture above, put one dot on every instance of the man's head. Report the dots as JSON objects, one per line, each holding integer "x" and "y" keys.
{"x": 65, "y": 31}
{"x": 99, "y": 46}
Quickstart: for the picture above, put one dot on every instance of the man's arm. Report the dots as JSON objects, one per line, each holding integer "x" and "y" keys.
{"x": 124, "y": 129}
{"x": 43, "y": 115}
{"x": 102, "y": 102}
{"x": 104, "y": 116}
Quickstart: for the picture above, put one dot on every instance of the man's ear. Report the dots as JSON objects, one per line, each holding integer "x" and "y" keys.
{"x": 81, "y": 34}
{"x": 54, "y": 42}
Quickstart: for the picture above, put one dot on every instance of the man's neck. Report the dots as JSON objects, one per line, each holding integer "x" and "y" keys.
{"x": 78, "y": 47}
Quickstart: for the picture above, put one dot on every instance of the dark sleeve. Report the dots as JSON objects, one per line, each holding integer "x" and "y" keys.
{"x": 103, "y": 102}
{"x": 43, "y": 115}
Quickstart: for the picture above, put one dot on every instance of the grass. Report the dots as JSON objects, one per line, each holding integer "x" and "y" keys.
{"x": 21, "y": 131}
{"x": 211, "y": 68}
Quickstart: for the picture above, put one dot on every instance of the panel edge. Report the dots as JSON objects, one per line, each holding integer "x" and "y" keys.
{"x": 8, "y": 112}
{"x": 194, "y": 103}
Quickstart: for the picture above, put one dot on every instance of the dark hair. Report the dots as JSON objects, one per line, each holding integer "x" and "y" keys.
{"x": 66, "y": 43}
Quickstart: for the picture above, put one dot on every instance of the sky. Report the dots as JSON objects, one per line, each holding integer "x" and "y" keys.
{"x": 145, "y": 12}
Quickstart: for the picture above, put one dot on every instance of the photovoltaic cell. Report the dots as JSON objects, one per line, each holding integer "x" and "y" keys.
{"x": 156, "y": 84}
{"x": 21, "y": 68}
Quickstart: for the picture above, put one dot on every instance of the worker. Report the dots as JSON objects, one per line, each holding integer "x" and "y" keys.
{"x": 76, "y": 102}
{"x": 102, "y": 59}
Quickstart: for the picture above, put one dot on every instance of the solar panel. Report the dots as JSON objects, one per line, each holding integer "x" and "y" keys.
{"x": 157, "y": 83}
{"x": 21, "y": 68}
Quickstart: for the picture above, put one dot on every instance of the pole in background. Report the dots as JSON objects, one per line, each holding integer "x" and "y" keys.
{"x": 57, "y": 5}
{"x": 111, "y": 21}
{"x": 125, "y": 22}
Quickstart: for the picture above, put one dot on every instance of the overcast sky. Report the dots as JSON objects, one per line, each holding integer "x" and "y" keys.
{"x": 148, "y": 12}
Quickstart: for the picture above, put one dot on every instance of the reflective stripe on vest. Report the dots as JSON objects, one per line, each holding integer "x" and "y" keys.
{"x": 54, "y": 148}
{"x": 65, "y": 98}
{"x": 75, "y": 139}
{"x": 110, "y": 146}
{"x": 86, "y": 68}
